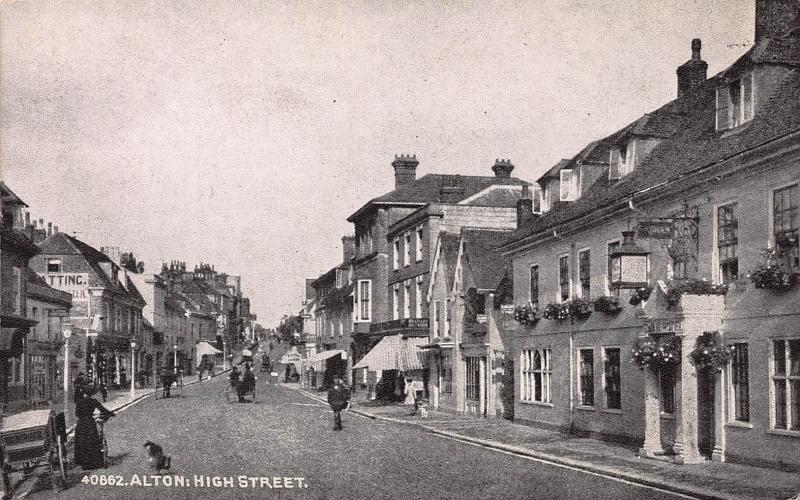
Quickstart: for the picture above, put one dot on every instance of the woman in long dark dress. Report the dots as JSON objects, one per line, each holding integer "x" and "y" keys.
{"x": 88, "y": 448}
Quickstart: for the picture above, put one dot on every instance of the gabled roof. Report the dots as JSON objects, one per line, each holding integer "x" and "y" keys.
{"x": 426, "y": 190}
{"x": 481, "y": 250}
{"x": 64, "y": 244}
{"x": 9, "y": 198}
{"x": 695, "y": 146}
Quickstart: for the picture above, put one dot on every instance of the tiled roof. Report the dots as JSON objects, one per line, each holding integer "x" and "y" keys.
{"x": 488, "y": 266}
{"x": 694, "y": 146}
{"x": 503, "y": 197}
{"x": 426, "y": 189}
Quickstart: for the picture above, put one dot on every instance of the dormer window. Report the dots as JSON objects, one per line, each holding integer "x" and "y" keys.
{"x": 620, "y": 162}
{"x": 568, "y": 185}
{"x": 735, "y": 102}
{"x": 538, "y": 203}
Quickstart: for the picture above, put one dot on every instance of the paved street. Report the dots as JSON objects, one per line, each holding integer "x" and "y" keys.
{"x": 286, "y": 434}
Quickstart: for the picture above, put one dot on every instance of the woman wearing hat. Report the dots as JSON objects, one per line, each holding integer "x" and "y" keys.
{"x": 88, "y": 448}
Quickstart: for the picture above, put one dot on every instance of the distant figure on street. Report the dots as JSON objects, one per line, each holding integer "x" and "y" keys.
{"x": 167, "y": 377}
{"x": 411, "y": 395}
{"x": 247, "y": 384}
{"x": 234, "y": 377}
{"x": 338, "y": 398}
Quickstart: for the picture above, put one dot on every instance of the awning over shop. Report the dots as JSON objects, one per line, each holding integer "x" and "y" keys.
{"x": 291, "y": 357}
{"x": 205, "y": 348}
{"x": 395, "y": 353}
{"x": 317, "y": 359}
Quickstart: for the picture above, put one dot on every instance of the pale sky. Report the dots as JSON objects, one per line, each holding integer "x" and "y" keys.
{"x": 244, "y": 133}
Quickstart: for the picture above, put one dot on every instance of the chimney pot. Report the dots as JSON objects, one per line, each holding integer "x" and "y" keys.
{"x": 405, "y": 169}
{"x": 502, "y": 168}
{"x": 49, "y": 229}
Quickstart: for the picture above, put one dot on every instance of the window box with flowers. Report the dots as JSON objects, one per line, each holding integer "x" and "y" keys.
{"x": 774, "y": 273}
{"x": 656, "y": 353}
{"x": 558, "y": 312}
{"x": 710, "y": 353}
{"x": 676, "y": 290}
{"x": 607, "y": 304}
{"x": 580, "y": 308}
{"x": 526, "y": 314}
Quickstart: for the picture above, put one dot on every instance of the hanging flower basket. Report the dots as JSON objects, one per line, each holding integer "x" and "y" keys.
{"x": 710, "y": 353}
{"x": 526, "y": 314}
{"x": 640, "y": 295}
{"x": 558, "y": 312}
{"x": 676, "y": 289}
{"x": 607, "y": 304}
{"x": 647, "y": 352}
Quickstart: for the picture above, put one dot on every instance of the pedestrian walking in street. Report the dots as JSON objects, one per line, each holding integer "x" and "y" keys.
{"x": 339, "y": 399}
{"x": 411, "y": 396}
{"x": 247, "y": 383}
{"x": 88, "y": 448}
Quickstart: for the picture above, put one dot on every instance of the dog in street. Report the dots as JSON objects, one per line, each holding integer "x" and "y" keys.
{"x": 158, "y": 461}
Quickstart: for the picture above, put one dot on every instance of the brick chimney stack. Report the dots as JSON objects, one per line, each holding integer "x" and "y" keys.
{"x": 776, "y": 18}
{"x": 693, "y": 72}
{"x": 524, "y": 207}
{"x": 348, "y": 248}
{"x": 405, "y": 169}
{"x": 502, "y": 169}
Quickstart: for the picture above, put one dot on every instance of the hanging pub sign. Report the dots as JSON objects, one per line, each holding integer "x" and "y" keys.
{"x": 655, "y": 229}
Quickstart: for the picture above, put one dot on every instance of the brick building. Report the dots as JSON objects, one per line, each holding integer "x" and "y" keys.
{"x": 708, "y": 182}
{"x": 395, "y": 234}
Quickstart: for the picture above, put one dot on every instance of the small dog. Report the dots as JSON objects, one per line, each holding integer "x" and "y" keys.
{"x": 158, "y": 461}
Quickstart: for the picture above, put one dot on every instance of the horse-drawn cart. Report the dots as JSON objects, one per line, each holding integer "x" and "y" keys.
{"x": 32, "y": 439}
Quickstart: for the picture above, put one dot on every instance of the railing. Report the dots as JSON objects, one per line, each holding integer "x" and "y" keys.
{"x": 400, "y": 324}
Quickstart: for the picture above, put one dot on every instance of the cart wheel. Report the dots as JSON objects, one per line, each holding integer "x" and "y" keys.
{"x": 61, "y": 461}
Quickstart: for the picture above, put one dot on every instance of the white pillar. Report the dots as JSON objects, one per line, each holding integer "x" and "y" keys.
{"x": 718, "y": 455}
{"x": 685, "y": 448}
{"x": 133, "y": 372}
{"x": 66, "y": 378}
{"x": 652, "y": 416}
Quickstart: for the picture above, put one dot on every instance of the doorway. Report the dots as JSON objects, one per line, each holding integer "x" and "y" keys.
{"x": 706, "y": 438}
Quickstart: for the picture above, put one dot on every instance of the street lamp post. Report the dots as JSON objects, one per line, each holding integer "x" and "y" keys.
{"x": 175, "y": 358}
{"x": 66, "y": 330}
{"x": 133, "y": 370}
{"x": 224, "y": 355}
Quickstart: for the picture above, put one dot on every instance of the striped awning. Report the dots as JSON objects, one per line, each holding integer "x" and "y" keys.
{"x": 395, "y": 353}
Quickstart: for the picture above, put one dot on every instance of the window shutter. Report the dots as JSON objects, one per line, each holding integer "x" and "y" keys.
{"x": 566, "y": 185}
{"x": 722, "y": 108}
{"x": 613, "y": 165}
{"x": 747, "y": 97}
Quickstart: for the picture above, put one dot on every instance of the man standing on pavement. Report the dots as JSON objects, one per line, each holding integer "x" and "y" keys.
{"x": 338, "y": 398}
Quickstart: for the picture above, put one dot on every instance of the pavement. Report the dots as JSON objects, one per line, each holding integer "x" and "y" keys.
{"x": 283, "y": 446}
{"x": 709, "y": 480}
